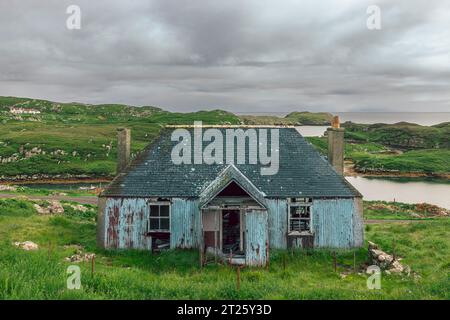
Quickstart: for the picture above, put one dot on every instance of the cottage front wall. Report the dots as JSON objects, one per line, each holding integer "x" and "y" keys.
{"x": 256, "y": 238}
{"x": 185, "y": 223}
{"x": 277, "y": 211}
{"x": 123, "y": 223}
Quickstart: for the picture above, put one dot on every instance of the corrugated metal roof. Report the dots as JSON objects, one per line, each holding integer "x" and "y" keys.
{"x": 303, "y": 172}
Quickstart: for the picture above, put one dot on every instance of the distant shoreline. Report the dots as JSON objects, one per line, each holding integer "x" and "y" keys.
{"x": 348, "y": 173}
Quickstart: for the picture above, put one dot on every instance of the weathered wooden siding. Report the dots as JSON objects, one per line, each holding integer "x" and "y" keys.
{"x": 256, "y": 237}
{"x": 358, "y": 223}
{"x": 125, "y": 222}
{"x": 333, "y": 222}
{"x": 277, "y": 215}
{"x": 185, "y": 223}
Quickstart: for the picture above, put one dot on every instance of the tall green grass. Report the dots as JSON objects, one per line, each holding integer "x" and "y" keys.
{"x": 175, "y": 274}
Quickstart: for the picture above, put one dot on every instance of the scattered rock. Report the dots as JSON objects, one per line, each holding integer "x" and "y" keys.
{"x": 53, "y": 207}
{"x": 5, "y": 187}
{"x": 40, "y": 209}
{"x": 79, "y": 207}
{"x": 26, "y": 245}
{"x": 80, "y": 257}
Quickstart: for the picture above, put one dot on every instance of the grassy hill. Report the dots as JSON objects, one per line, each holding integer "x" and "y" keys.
{"x": 77, "y": 140}
{"x": 133, "y": 274}
{"x": 74, "y": 140}
{"x": 293, "y": 118}
{"x": 403, "y": 135}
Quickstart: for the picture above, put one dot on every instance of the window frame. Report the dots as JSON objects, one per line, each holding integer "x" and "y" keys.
{"x": 307, "y": 204}
{"x": 159, "y": 217}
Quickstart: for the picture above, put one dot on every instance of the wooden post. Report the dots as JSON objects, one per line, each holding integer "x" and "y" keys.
{"x": 92, "y": 265}
{"x": 201, "y": 255}
{"x": 394, "y": 257}
{"x": 334, "y": 261}
{"x": 238, "y": 277}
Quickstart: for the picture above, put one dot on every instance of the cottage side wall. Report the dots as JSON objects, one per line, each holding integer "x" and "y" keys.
{"x": 336, "y": 223}
{"x": 122, "y": 223}
{"x": 358, "y": 222}
{"x": 101, "y": 239}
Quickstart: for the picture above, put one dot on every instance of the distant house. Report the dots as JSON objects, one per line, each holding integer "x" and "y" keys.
{"x": 19, "y": 110}
{"x": 231, "y": 209}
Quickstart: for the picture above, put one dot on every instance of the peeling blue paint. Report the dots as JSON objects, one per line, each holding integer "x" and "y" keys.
{"x": 277, "y": 215}
{"x": 256, "y": 237}
{"x": 332, "y": 221}
{"x": 185, "y": 224}
{"x": 126, "y": 223}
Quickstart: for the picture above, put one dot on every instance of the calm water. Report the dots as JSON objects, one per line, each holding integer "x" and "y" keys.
{"x": 408, "y": 190}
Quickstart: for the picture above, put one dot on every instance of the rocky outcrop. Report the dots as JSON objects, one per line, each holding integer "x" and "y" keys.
{"x": 421, "y": 210}
{"x": 386, "y": 262}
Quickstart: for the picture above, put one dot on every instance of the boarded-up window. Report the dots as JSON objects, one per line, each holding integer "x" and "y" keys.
{"x": 159, "y": 218}
{"x": 300, "y": 215}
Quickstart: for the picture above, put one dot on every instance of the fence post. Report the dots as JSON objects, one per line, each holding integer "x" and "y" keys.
{"x": 92, "y": 265}
{"x": 334, "y": 261}
{"x": 238, "y": 277}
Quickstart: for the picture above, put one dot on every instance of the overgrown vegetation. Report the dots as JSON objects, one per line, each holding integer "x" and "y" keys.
{"x": 131, "y": 274}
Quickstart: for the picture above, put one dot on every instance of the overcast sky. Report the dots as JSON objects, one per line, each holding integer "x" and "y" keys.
{"x": 239, "y": 55}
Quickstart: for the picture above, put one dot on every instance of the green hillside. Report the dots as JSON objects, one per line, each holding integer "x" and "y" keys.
{"x": 74, "y": 140}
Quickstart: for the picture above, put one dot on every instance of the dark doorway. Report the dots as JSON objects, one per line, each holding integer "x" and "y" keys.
{"x": 231, "y": 231}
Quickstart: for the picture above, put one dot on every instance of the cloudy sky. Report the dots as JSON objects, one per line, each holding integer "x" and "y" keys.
{"x": 240, "y": 55}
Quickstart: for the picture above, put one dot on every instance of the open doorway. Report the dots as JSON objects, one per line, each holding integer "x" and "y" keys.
{"x": 231, "y": 231}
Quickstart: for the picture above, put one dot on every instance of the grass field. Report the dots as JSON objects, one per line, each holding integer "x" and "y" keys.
{"x": 41, "y": 274}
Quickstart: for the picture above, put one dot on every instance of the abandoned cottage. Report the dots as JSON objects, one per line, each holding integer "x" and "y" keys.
{"x": 231, "y": 209}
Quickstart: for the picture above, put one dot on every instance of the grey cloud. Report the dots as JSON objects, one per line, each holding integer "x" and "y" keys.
{"x": 245, "y": 56}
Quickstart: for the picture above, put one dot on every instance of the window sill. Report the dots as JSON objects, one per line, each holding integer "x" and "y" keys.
{"x": 299, "y": 234}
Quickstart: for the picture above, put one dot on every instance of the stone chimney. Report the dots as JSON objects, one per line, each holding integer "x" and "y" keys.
{"x": 336, "y": 145}
{"x": 123, "y": 148}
